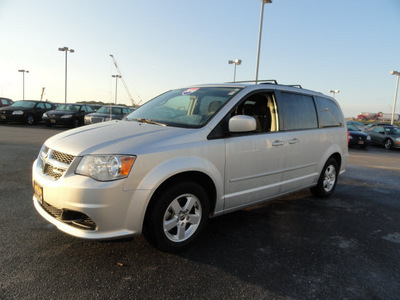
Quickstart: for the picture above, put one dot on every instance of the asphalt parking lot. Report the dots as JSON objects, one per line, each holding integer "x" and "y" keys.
{"x": 296, "y": 247}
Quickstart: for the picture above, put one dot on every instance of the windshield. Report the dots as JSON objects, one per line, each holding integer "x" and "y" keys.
{"x": 352, "y": 128}
{"x": 26, "y": 104}
{"x": 191, "y": 107}
{"x": 68, "y": 107}
{"x": 106, "y": 110}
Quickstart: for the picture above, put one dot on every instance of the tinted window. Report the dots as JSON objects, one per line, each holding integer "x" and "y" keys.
{"x": 299, "y": 112}
{"x": 40, "y": 106}
{"x": 329, "y": 113}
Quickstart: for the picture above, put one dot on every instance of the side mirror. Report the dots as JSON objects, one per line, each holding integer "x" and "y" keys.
{"x": 242, "y": 123}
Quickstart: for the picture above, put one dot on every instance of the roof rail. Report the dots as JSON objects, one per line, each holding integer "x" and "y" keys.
{"x": 268, "y": 81}
{"x": 295, "y": 85}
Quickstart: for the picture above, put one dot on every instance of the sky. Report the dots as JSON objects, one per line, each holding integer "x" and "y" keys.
{"x": 323, "y": 45}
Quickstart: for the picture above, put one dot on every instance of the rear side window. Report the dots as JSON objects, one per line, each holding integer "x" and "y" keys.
{"x": 329, "y": 113}
{"x": 298, "y": 111}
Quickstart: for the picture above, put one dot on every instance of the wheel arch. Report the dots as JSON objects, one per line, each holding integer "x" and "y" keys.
{"x": 203, "y": 179}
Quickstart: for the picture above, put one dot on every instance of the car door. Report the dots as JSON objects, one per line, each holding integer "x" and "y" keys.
{"x": 378, "y": 135}
{"x": 302, "y": 138}
{"x": 39, "y": 111}
{"x": 255, "y": 161}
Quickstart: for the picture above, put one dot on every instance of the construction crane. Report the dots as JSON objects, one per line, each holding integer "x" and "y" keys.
{"x": 123, "y": 81}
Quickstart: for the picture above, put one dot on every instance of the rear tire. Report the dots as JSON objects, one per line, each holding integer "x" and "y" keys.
{"x": 177, "y": 217}
{"x": 327, "y": 180}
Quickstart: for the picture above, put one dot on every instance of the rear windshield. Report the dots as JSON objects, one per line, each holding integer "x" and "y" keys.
{"x": 189, "y": 107}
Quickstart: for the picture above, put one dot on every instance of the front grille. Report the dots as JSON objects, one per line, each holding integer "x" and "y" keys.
{"x": 54, "y": 163}
{"x": 97, "y": 119}
{"x": 62, "y": 157}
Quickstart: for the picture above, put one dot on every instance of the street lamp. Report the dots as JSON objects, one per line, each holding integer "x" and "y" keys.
{"x": 395, "y": 94}
{"x": 66, "y": 50}
{"x": 334, "y": 92}
{"x": 259, "y": 35}
{"x": 116, "y": 82}
{"x": 23, "y": 82}
{"x": 237, "y": 62}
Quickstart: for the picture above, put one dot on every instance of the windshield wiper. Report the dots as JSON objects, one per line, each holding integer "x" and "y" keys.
{"x": 148, "y": 121}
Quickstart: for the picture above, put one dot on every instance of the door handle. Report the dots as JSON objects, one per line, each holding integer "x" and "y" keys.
{"x": 278, "y": 143}
{"x": 294, "y": 141}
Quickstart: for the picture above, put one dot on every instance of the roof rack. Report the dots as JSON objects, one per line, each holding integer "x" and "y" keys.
{"x": 295, "y": 85}
{"x": 268, "y": 81}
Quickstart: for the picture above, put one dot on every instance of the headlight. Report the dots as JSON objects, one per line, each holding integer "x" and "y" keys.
{"x": 368, "y": 138}
{"x": 66, "y": 116}
{"x": 105, "y": 167}
{"x": 18, "y": 112}
{"x": 350, "y": 137}
{"x": 45, "y": 115}
{"x": 398, "y": 139}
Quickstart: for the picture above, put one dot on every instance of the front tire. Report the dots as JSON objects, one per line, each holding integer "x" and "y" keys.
{"x": 75, "y": 123}
{"x": 29, "y": 119}
{"x": 177, "y": 217}
{"x": 327, "y": 180}
{"x": 388, "y": 144}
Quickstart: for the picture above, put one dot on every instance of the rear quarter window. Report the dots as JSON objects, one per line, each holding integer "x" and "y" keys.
{"x": 329, "y": 113}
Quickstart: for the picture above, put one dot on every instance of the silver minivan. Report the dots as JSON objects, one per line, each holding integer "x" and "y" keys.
{"x": 187, "y": 155}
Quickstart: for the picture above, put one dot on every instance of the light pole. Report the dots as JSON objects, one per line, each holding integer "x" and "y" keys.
{"x": 66, "y": 50}
{"x": 334, "y": 92}
{"x": 259, "y": 35}
{"x": 116, "y": 84}
{"x": 237, "y": 62}
{"x": 23, "y": 82}
{"x": 395, "y": 94}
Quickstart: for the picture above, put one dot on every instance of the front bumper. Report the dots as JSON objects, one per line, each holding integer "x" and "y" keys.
{"x": 13, "y": 118}
{"x": 110, "y": 211}
{"x": 58, "y": 121}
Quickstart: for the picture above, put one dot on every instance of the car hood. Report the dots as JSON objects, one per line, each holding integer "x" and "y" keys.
{"x": 104, "y": 115}
{"x": 358, "y": 133}
{"x": 121, "y": 137}
{"x": 13, "y": 108}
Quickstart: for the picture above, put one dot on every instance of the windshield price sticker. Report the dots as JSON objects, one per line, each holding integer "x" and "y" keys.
{"x": 190, "y": 91}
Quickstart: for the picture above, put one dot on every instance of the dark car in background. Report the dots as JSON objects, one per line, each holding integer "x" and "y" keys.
{"x": 71, "y": 115}
{"x": 25, "y": 111}
{"x": 386, "y": 135}
{"x": 357, "y": 137}
{"x": 5, "y": 102}
{"x": 107, "y": 113}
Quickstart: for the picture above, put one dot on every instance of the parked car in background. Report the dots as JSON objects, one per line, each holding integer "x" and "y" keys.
{"x": 188, "y": 154}
{"x": 357, "y": 137}
{"x": 386, "y": 135}
{"x": 5, "y": 102}
{"x": 71, "y": 115}
{"x": 107, "y": 113}
{"x": 25, "y": 111}
{"x": 359, "y": 125}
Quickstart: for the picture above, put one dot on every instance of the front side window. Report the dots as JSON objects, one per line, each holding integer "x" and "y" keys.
{"x": 299, "y": 111}
{"x": 329, "y": 113}
{"x": 189, "y": 107}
